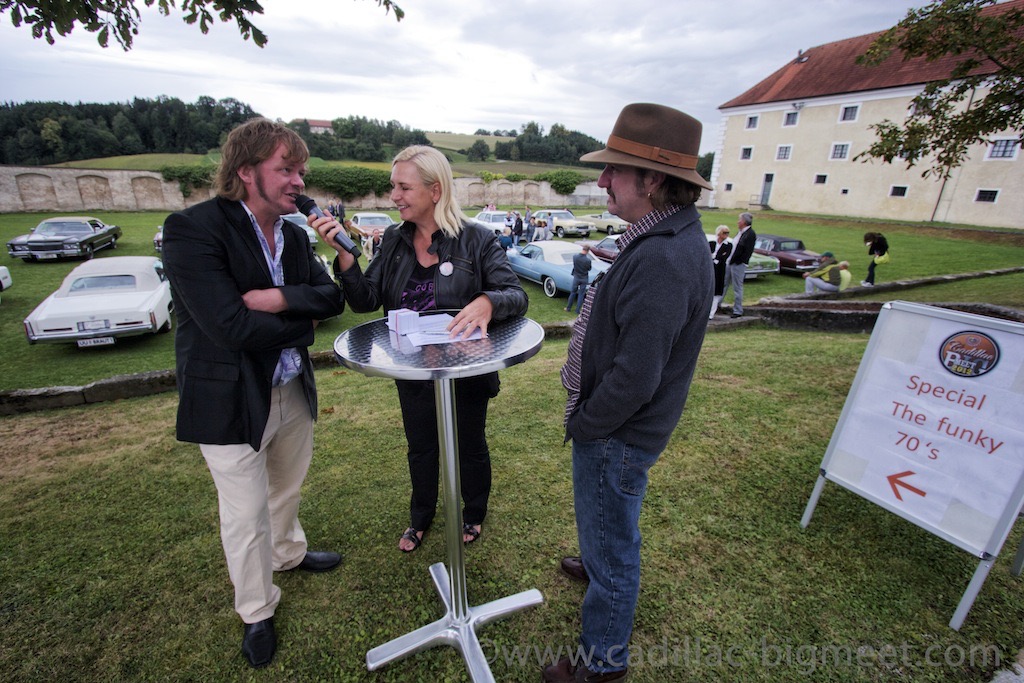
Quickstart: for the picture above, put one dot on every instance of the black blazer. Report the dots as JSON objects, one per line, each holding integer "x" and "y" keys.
{"x": 743, "y": 247}
{"x": 719, "y": 258}
{"x": 226, "y": 354}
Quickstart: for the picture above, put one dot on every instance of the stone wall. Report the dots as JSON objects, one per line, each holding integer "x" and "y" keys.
{"x": 77, "y": 190}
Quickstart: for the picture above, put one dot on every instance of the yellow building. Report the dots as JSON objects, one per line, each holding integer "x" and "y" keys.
{"x": 789, "y": 144}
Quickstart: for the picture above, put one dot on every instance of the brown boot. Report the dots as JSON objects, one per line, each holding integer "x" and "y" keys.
{"x": 564, "y": 671}
{"x": 573, "y": 567}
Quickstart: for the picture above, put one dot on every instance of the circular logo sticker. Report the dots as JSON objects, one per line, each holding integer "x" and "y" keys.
{"x": 969, "y": 354}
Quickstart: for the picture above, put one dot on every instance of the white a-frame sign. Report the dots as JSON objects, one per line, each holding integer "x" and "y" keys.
{"x": 933, "y": 430}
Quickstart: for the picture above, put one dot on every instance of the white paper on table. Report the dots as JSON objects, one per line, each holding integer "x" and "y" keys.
{"x": 432, "y": 330}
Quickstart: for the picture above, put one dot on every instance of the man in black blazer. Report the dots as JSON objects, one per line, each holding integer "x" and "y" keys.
{"x": 736, "y": 268}
{"x": 248, "y": 295}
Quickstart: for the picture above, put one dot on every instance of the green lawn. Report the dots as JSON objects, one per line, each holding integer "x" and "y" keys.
{"x": 918, "y": 251}
{"x": 113, "y": 569}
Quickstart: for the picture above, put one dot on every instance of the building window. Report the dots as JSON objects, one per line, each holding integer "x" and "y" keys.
{"x": 791, "y": 118}
{"x": 1003, "y": 149}
{"x": 840, "y": 150}
{"x": 746, "y": 153}
{"x": 728, "y": 187}
{"x": 987, "y": 196}
{"x": 898, "y": 191}
{"x": 752, "y": 122}
{"x": 820, "y": 179}
{"x": 849, "y": 113}
{"x": 784, "y": 152}
{"x": 845, "y": 190}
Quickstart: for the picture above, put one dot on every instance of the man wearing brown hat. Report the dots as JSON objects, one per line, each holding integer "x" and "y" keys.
{"x": 631, "y": 360}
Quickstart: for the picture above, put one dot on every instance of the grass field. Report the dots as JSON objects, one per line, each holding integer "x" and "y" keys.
{"x": 113, "y": 569}
{"x": 918, "y": 251}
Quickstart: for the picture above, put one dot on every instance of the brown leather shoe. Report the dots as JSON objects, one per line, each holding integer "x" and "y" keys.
{"x": 573, "y": 567}
{"x": 564, "y": 671}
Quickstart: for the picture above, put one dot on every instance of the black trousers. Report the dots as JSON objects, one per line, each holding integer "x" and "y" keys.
{"x": 420, "y": 420}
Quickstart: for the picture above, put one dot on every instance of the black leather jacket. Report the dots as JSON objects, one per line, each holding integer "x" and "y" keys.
{"x": 479, "y": 266}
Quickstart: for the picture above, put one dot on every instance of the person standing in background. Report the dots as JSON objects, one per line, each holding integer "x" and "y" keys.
{"x": 720, "y": 250}
{"x": 581, "y": 265}
{"x": 736, "y": 263}
{"x": 878, "y": 249}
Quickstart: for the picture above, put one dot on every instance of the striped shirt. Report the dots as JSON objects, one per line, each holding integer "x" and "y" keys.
{"x": 571, "y": 371}
{"x": 289, "y": 365}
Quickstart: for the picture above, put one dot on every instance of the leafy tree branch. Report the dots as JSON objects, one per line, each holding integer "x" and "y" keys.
{"x": 120, "y": 18}
{"x": 984, "y": 39}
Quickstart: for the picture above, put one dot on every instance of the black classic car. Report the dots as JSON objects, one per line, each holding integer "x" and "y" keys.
{"x": 64, "y": 237}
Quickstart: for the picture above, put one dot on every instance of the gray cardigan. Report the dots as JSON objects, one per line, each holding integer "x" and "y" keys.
{"x": 644, "y": 334}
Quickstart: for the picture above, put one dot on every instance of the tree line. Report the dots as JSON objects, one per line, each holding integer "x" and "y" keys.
{"x": 560, "y": 146}
{"x": 359, "y": 138}
{"x": 41, "y": 133}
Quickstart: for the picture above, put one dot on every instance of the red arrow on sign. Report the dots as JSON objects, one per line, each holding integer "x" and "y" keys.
{"x": 896, "y": 480}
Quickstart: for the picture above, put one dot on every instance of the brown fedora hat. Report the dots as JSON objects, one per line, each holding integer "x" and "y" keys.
{"x": 656, "y": 137}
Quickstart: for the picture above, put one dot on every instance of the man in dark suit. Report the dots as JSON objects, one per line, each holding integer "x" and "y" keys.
{"x": 248, "y": 295}
{"x": 736, "y": 268}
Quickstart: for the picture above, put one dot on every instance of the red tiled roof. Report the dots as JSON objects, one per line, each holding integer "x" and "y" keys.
{"x": 832, "y": 69}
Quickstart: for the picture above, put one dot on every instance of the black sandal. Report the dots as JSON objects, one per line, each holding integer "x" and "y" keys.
{"x": 471, "y": 531}
{"x": 414, "y": 536}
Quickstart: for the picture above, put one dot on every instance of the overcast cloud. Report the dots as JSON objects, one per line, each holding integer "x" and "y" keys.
{"x": 451, "y": 65}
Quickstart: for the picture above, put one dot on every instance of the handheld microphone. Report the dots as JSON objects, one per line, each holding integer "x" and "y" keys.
{"x": 308, "y": 206}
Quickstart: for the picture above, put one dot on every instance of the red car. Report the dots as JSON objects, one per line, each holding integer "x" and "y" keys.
{"x": 793, "y": 256}
{"x": 606, "y": 250}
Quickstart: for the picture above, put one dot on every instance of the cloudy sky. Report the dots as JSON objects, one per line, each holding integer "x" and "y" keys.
{"x": 450, "y": 65}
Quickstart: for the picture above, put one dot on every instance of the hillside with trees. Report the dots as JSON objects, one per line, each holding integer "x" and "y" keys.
{"x": 41, "y": 133}
{"x": 44, "y": 133}
{"x": 561, "y": 146}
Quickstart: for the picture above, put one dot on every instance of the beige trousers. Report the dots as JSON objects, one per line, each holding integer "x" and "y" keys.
{"x": 258, "y": 494}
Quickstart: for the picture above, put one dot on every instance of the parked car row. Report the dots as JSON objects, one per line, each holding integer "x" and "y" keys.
{"x": 101, "y": 301}
{"x": 608, "y": 248}
{"x": 562, "y": 222}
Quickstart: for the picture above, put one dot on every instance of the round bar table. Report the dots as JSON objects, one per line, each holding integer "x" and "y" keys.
{"x": 372, "y": 349}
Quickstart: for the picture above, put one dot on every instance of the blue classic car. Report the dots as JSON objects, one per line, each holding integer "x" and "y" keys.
{"x": 549, "y": 263}
{"x": 65, "y": 237}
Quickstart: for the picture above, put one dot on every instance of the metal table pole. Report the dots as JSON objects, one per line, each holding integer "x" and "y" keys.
{"x": 458, "y": 626}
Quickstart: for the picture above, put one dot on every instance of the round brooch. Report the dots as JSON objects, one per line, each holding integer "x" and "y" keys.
{"x": 446, "y": 268}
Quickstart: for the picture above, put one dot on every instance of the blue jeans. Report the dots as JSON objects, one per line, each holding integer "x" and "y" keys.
{"x": 609, "y": 479}
{"x": 578, "y": 294}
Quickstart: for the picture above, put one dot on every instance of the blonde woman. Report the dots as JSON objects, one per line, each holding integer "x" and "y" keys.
{"x": 436, "y": 258}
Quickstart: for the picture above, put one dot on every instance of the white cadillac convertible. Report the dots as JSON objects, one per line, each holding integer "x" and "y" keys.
{"x": 103, "y": 299}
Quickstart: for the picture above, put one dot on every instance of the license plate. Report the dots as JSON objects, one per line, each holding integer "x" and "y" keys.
{"x": 47, "y": 256}
{"x": 96, "y": 341}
